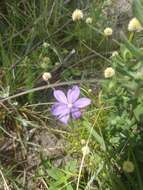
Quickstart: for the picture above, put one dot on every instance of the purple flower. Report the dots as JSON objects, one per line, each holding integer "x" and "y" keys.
{"x": 69, "y": 105}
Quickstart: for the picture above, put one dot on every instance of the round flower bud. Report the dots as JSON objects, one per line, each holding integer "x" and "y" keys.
{"x": 44, "y": 65}
{"x": 109, "y": 72}
{"x": 45, "y": 45}
{"x": 46, "y": 60}
{"x": 85, "y": 150}
{"x": 108, "y": 31}
{"x": 57, "y": 63}
{"x": 128, "y": 166}
{"x": 73, "y": 51}
{"x": 46, "y": 76}
{"x": 114, "y": 54}
{"x": 134, "y": 25}
{"x": 77, "y": 15}
{"x": 83, "y": 141}
{"x": 15, "y": 103}
{"x": 89, "y": 90}
{"x": 89, "y": 20}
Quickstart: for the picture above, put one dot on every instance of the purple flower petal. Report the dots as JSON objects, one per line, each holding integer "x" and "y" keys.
{"x": 82, "y": 102}
{"x": 60, "y": 96}
{"x": 64, "y": 118}
{"x": 73, "y": 94}
{"x": 59, "y": 108}
{"x": 75, "y": 113}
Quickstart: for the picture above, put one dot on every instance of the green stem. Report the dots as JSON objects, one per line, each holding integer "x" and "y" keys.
{"x": 131, "y": 36}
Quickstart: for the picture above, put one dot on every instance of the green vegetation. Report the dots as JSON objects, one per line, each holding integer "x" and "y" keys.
{"x": 46, "y": 45}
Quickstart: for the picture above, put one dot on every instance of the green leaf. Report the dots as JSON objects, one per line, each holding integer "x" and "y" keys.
{"x": 71, "y": 166}
{"x": 138, "y": 10}
{"x": 69, "y": 187}
{"x": 97, "y": 137}
{"x": 138, "y": 111}
{"x": 55, "y": 173}
{"x": 133, "y": 49}
{"x": 54, "y": 185}
{"x": 76, "y": 72}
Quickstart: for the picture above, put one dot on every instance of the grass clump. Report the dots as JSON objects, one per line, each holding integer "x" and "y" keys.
{"x": 51, "y": 47}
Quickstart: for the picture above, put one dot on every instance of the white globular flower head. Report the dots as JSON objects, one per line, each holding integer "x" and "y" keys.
{"x": 89, "y": 90}
{"x": 114, "y": 54}
{"x": 109, "y": 72}
{"x": 45, "y": 45}
{"x": 108, "y": 31}
{"x": 46, "y": 76}
{"x": 128, "y": 166}
{"x": 57, "y": 63}
{"x": 88, "y": 20}
{"x": 77, "y": 15}
{"x": 134, "y": 25}
{"x": 73, "y": 51}
{"x": 85, "y": 150}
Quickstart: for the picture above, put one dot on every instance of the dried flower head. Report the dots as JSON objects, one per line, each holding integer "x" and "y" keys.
{"x": 85, "y": 150}
{"x": 128, "y": 166}
{"x": 108, "y": 31}
{"x": 69, "y": 105}
{"x": 134, "y": 25}
{"x": 89, "y": 20}
{"x": 46, "y": 76}
{"x": 109, "y": 72}
{"x": 77, "y": 15}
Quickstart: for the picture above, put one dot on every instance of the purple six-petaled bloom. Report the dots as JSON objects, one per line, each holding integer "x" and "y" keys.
{"x": 69, "y": 105}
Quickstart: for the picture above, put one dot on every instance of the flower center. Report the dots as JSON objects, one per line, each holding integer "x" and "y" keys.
{"x": 69, "y": 105}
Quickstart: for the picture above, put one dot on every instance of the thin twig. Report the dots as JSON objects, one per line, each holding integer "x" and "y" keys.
{"x": 96, "y": 53}
{"x": 46, "y": 87}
